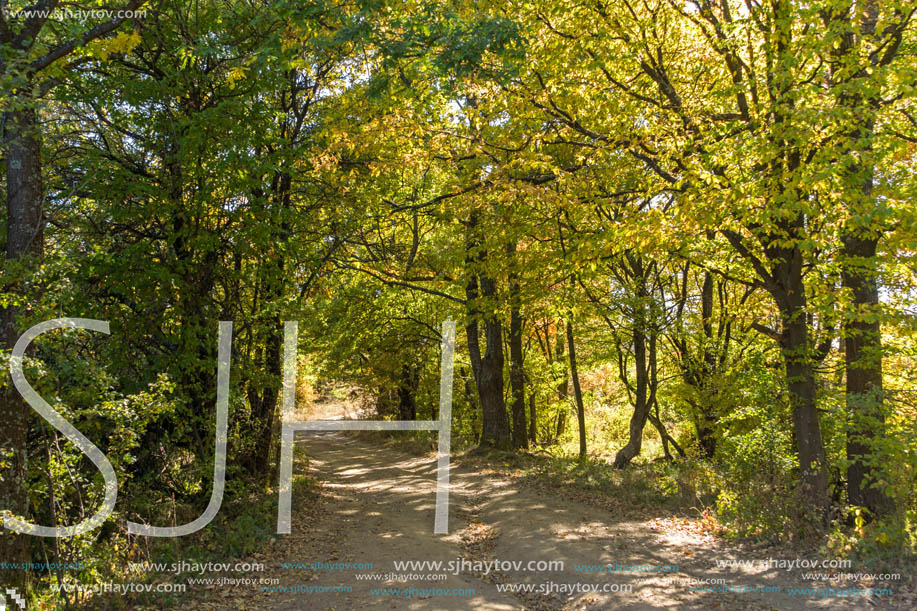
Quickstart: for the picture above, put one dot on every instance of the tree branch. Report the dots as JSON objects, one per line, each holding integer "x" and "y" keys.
{"x": 68, "y": 47}
{"x": 774, "y": 335}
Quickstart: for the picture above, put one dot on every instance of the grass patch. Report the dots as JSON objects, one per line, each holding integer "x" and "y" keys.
{"x": 686, "y": 487}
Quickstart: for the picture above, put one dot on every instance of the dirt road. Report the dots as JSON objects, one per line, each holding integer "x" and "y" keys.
{"x": 376, "y": 507}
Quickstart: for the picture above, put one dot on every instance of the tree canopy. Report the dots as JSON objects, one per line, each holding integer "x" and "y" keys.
{"x": 697, "y": 216}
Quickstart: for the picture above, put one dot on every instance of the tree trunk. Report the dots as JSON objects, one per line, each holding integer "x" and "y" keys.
{"x": 24, "y": 239}
{"x": 577, "y": 392}
{"x": 562, "y": 387}
{"x": 641, "y": 404}
{"x": 266, "y": 417}
{"x": 470, "y": 394}
{"x": 194, "y": 268}
{"x": 271, "y": 279}
{"x": 644, "y": 362}
{"x": 407, "y": 393}
{"x": 707, "y": 419}
{"x": 517, "y": 366}
{"x": 865, "y": 399}
{"x": 561, "y": 421}
{"x": 801, "y": 385}
{"x": 785, "y": 283}
{"x": 533, "y": 420}
{"x": 488, "y": 372}
{"x": 863, "y": 362}
{"x": 487, "y": 369}
{"x": 656, "y": 421}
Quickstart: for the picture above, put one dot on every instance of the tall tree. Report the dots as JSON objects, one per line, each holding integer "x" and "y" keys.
{"x": 862, "y": 80}
{"x": 30, "y": 47}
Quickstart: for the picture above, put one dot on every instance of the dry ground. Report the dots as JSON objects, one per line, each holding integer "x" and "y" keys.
{"x": 375, "y": 505}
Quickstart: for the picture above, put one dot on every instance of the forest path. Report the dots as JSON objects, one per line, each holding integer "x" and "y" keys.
{"x": 375, "y": 505}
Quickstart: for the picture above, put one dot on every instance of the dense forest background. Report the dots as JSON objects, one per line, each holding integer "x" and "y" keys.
{"x": 679, "y": 240}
